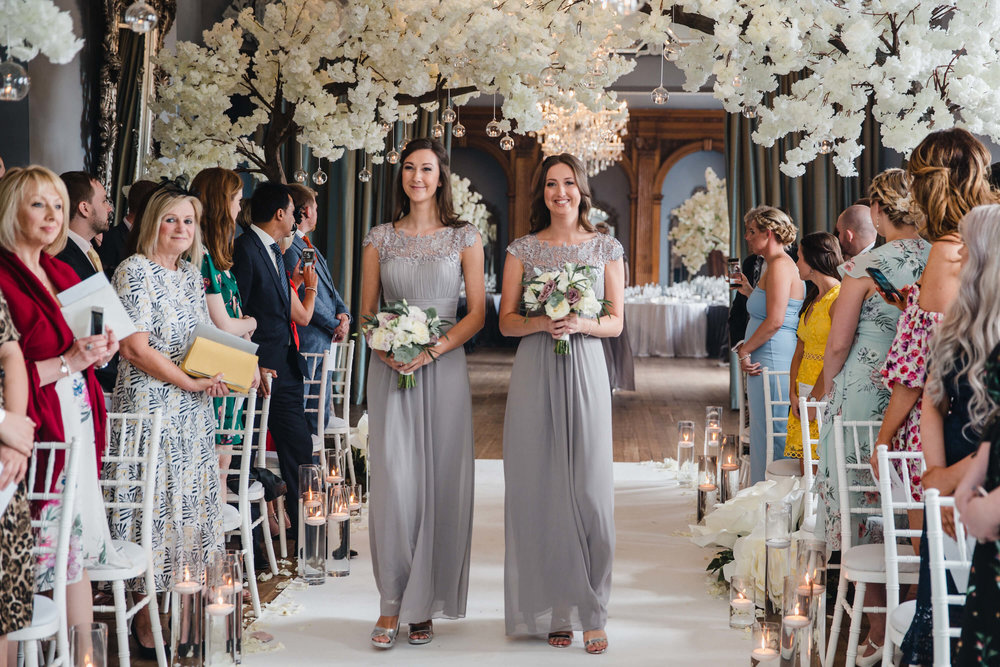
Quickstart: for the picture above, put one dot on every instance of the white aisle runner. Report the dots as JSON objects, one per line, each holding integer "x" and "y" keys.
{"x": 660, "y": 612}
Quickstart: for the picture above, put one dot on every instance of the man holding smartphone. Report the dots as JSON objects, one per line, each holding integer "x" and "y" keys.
{"x": 331, "y": 320}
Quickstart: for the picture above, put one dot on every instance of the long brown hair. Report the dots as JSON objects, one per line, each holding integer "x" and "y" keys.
{"x": 446, "y": 208}
{"x": 950, "y": 171}
{"x": 215, "y": 187}
{"x": 821, "y": 251}
{"x": 541, "y": 217}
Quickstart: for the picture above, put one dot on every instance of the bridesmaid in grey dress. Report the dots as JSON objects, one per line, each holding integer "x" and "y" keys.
{"x": 559, "y": 508}
{"x": 420, "y": 439}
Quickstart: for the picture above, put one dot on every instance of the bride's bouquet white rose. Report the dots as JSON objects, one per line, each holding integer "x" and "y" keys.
{"x": 559, "y": 293}
{"x": 403, "y": 331}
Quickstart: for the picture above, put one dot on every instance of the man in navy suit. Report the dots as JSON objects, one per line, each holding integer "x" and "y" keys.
{"x": 331, "y": 320}
{"x": 266, "y": 293}
{"x": 89, "y": 215}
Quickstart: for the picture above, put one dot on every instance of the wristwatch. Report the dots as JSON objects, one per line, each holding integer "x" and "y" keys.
{"x": 63, "y": 365}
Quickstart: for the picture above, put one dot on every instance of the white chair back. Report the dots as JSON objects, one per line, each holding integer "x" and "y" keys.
{"x": 60, "y": 550}
{"x": 338, "y": 366}
{"x": 852, "y": 441}
{"x": 134, "y": 453}
{"x": 235, "y": 421}
{"x": 959, "y": 561}
{"x": 808, "y": 442}
{"x": 774, "y": 396}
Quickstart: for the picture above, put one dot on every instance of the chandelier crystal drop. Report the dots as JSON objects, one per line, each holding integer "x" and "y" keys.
{"x": 140, "y": 17}
{"x": 14, "y": 82}
{"x": 593, "y": 136}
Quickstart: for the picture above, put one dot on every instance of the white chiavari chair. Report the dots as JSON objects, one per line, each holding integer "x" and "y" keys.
{"x": 776, "y": 425}
{"x": 958, "y": 560}
{"x": 810, "y": 498}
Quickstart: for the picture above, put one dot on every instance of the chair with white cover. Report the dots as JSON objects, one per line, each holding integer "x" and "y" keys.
{"x": 863, "y": 564}
{"x": 135, "y": 453}
{"x": 49, "y": 614}
{"x": 957, "y": 559}
{"x": 896, "y": 494}
{"x": 810, "y": 498}
{"x": 774, "y": 397}
{"x": 245, "y": 429}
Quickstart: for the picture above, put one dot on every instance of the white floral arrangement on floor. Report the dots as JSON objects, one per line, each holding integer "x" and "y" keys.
{"x": 702, "y": 224}
{"x": 469, "y": 207}
{"x": 38, "y": 26}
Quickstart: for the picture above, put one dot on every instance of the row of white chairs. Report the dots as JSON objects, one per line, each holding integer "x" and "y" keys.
{"x": 889, "y": 563}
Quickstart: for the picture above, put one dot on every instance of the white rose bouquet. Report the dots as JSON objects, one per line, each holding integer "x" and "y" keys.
{"x": 560, "y": 293}
{"x": 404, "y": 331}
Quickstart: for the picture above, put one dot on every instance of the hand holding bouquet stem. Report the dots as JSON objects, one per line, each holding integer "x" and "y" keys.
{"x": 561, "y": 293}
{"x": 405, "y": 332}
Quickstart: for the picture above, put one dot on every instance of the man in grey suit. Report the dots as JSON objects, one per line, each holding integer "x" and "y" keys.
{"x": 331, "y": 320}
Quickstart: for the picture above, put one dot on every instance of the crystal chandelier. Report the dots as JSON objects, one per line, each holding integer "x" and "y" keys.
{"x": 595, "y": 137}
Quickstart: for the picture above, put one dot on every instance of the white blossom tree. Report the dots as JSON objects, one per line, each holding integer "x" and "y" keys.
{"x": 33, "y": 27}
{"x": 920, "y": 66}
{"x": 332, "y": 75}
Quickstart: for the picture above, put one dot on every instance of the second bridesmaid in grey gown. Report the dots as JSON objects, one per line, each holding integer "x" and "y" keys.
{"x": 559, "y": 506}
{"x": 420, "y": 439}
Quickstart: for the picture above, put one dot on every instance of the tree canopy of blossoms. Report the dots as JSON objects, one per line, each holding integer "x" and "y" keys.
{"x": 332, "y": 74}
{"x": 31, "y": 27}
{"x": 921, "y": 66}
{"x": 702, "y": 224}
{"x": 469, "y": 207}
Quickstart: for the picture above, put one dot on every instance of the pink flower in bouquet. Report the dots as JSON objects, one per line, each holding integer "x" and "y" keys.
{"x": 572, "y": 296}
{"x": 547, "y": 291}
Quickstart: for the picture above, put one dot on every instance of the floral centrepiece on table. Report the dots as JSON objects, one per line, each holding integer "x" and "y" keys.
{"x": 560, "y": 293}
{"x": 403, "y": 331}
{"x": 702, "y": 224}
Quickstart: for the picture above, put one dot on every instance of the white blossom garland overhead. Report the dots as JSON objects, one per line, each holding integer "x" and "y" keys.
{"x": 32, "y": 27}
{"x": 331, "y": 75}
{"x": 702, "y": 224}
{"x": 922, "y": 66}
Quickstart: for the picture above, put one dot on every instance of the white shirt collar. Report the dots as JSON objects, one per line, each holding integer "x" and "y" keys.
{"x": 867, "y": 248}
{"x": 268, "y": 241}
{"x": 301, "y": 234}
{"x": 81, "y": 242}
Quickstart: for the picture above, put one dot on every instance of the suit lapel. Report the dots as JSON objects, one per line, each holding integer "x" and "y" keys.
{"x": 268, "y": 259}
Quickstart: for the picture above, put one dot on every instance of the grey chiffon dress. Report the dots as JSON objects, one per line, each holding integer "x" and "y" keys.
{"x": 557, "y": 453}
{"x": 420, "y": 441}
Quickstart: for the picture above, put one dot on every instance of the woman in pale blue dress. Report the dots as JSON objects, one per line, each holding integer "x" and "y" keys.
{"x": 773, "y": 306}
{"x": 420, "y": 439}
{"x": 557, "y": 453}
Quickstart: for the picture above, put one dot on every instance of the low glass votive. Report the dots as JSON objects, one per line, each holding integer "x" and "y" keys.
{"x": 796, "y": 605}
{"x": 742, "y": 607}
{"x": 766, "y": 640}
{"x": 354, "y": 498}
{"x": 686, "y": 469}
{"x": 811, "y": 566}
{"x": 713, "y": 441}
{"x": 334, "y": 467}
{"x": 685, "y": 433}
{"x": 88, "y": 645}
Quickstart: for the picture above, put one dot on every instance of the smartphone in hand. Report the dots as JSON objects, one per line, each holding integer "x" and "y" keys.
{"x": 96, "y": 321}
{"x": 308, "y": 257}
{"x": 884, "y": 284}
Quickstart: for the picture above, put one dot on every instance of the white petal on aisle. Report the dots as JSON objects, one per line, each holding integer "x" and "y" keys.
{"x": 660, "y": 610}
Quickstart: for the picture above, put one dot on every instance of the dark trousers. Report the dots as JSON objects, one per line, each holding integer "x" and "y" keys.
{"x": 287, "y": 424}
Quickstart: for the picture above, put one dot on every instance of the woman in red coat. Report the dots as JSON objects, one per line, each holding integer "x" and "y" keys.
{"x": 65, "y": 401}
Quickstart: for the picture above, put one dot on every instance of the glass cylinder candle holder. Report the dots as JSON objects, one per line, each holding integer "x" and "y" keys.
{"x": 310, "y": 498}
{"x": 707, "y": 485}
{"x": 354, "y": 499}
{"x": 742, "y": 608}
{"x": 729, "y": 455}
{"x": 334, "y": 467}
{"x": 796, "y": 604}
{"x": 713, "y": 441}
{"x": 235, "y": 559}
{"x": 220, "y": 606}
{"x": 778, "y": 524}
{"x": 88, "y": 645}
{"x": 810, "y": 566}
{"x": 713, "y": 415}
{"x": 187, "y": 619}
{"x": 338, "y": 532}
{"x": 686, "y": 469}
{"x": 685, "y": 433}
{"x": 766, "y": 640}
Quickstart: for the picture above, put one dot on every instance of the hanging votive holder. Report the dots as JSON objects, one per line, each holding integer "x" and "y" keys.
{"x": 220, "y": 606}
{"x": 88, "y": 645}
{"x": 707, "y": 485}
{"x": 742, "y": 607}
{"x": 729, "y": 467}
{"x": 187, "y": 619}
{"x": 310, "y": 498}
{"x": 338, "y": 531}
{"x": 686, "y": 470}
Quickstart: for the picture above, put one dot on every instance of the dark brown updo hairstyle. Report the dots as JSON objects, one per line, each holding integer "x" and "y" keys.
{"x": 443, "y": 196}
{"x": 950, "y": 172}
{"x": 216, "y": 187}
{"x": 821, "y": 251}
{"x": 541, "y": 217}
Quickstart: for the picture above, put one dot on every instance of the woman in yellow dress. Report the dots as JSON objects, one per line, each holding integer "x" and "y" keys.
{"x": 819, "y": 257}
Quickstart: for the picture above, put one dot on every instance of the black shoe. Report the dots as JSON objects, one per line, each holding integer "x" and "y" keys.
{"x": 147, "y": 652}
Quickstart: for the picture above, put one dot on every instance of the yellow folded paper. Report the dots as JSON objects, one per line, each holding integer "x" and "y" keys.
{"x": 207, "y": 358}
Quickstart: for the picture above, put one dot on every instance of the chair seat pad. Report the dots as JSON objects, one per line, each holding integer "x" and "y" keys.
{"x": 230, "y": 518}
{"x": 44, "y": 621}
{"x": 809, "y": 525}
{"x": 336, "y": 425}
{"x": 783, "y": 468}
{"x": 902, "y": 616}
{"x": 131, "y": 552}
{"x": 255, "y": 491}
{"x": 871, "y": 558}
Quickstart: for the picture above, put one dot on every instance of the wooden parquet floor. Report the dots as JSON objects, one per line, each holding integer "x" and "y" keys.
{"x": 645, "y": 420}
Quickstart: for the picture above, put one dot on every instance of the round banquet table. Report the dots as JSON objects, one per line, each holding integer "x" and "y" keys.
{"x": 664, "y": 327}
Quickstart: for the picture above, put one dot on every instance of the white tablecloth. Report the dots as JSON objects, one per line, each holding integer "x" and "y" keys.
{"x": 667, "y": 328}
